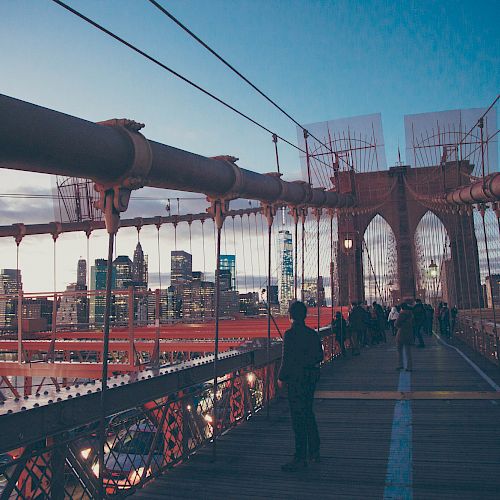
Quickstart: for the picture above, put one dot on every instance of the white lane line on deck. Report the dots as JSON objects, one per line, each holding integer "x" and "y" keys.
{"x": 399, "y": 477}
{"x": 471, "y": 363}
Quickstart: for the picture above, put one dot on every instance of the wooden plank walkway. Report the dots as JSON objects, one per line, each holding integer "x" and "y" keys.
{"x": 454, "y": 443}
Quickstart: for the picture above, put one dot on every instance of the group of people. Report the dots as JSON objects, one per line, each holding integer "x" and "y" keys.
{"x": 365, "y": 326}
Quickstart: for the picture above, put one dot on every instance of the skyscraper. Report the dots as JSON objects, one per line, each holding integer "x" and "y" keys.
{"x": 81, "y": 275}
{"x": 123, "y": 272}
{"x": 181, "y": 268}
{"x": 228, "y": 263}
{"x": 122, "y": 267}
{"x": 10, "y": 283}
{"x": 98, "y": 282}
{"x": 67, "y": 312}
{"x": 80, "y": 300}
{"x": 285, "y": 276}
{"x": 140, "y": 268}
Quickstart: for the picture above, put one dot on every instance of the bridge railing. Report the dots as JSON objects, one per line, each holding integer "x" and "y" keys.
{"x": 479, "y": 334}
{"x": 154, "y": 420}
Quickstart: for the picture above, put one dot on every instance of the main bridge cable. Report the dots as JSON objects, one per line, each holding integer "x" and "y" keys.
{"x": 244, "y": 78}
{"x": 176, "y": 74}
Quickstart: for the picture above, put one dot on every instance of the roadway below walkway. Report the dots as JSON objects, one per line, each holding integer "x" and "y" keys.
{"x": 433, "y": 433}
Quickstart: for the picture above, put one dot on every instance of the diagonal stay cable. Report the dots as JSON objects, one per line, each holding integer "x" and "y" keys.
{"x": 232, "y": 68}
{"x": 173, "y": 72}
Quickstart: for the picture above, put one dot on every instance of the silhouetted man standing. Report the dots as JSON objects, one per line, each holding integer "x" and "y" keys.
{"x": 302, "y": 354}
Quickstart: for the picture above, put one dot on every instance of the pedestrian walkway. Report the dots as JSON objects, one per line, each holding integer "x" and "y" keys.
{"x": 391, "y": 435}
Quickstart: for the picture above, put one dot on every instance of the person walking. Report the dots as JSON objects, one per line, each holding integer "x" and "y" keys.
{"x": 381, "y": 320}
{"x": 405, "y": 337}
{"x": 444, "y": 319}
{"x": 419, "y": 318}
{"x": 429, "y": 318}
{"x": 357, "y": 325}
{"x": 302, "y": 354}
{"x": 453, "y": 316}
{"x": 339, "y": 328}
{"x": 393, "y": 316}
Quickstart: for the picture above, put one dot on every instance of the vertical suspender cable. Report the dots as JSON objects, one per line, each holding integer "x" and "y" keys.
{"x": 331, "y": 259}
{"x": 268, "y": 210}
{"x": 256, "y": 243}
{"x": 497, "y": 352}
{"x": 477, "y": 282}
{"x": 296, "y": 252}
{"x": 318, "y": 302}
{"x": 190, "y": 238}
{"x": 159, "y": 254}
{"x": 19, "y": 307}
{"x": 104, "y": 376}
{"x": 251, "y": 252}
{"x": 157, "y": 353}
{"x": 304, "y": 213}
{"x": 234, "y": 250}
{"x": 203, "y": 245}
{"x": 244, "y": 256}
{"x": 51, "y": 353}
{"x": 218, "y": 221}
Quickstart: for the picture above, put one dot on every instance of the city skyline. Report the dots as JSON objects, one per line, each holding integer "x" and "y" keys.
{"x": 342, "y": 61}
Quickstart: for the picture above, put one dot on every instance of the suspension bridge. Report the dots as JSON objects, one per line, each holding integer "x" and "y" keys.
{"x": 127, "y": 390}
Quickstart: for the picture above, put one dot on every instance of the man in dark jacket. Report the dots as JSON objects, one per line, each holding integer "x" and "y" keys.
{"x": 358, "y": 319}
{"x": 339, "y": 328}
{"x": 419, "y": 317}
{"x": 302, "y": 354}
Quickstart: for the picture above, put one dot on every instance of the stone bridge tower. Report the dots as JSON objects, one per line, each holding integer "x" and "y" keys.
{"x": 399, "y": 195}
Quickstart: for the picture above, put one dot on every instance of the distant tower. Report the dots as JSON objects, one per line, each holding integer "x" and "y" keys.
{"x": 181, "y": 270}
{"x": 98, "y": 274}
{"x": 140, "y": 268}
{"x": 81, "y": 275}
{"x": 285, "y": 277}
{"x": 123, "y": 272}
{"x": 10, "y": 284}
{"x": 228, "y": 263}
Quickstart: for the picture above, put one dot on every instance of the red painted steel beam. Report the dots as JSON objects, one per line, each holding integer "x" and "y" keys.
{"x": 97, "y": 346}
{"x": 62, "y": 370}
{"x": 88, "y": 226}
{"x": 38, "y": 139}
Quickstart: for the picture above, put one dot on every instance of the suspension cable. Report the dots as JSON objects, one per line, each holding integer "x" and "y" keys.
{"x": 234, "y": 250}
{"x": 203, "y": 245}
{"x": 159, "y": 254}
{"x": 491, "y": 284}
{"x": 251, "y": 253}
{"x": 173, "y": 72}
{"x": 19, "y": 307}
{"x": 244, "y": 256}
{"x": 234, "y": 70}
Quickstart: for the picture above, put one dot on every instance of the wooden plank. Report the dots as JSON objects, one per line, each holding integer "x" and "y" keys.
{"x": 405, "y": 395}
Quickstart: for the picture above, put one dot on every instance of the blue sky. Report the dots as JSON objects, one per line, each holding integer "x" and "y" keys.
{"x": 320, "y": 60}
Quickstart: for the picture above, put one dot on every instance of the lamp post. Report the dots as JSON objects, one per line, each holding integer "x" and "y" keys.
{"x": 348, "y": 244}
{"x": 433, "y": 273}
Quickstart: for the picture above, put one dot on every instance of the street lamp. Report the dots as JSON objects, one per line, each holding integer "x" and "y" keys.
{"x": 347, "y": 243}
{"x": 433, "y": 269}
